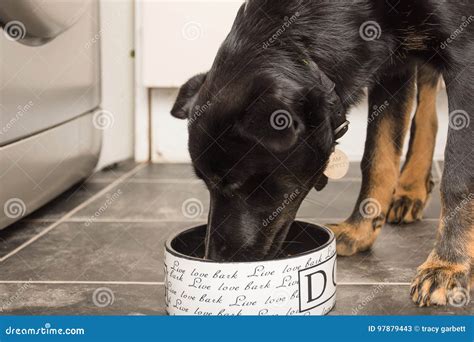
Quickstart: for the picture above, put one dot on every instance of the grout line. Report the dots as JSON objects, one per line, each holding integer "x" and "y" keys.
{"x": 197, "y": 181}
{"x": 124, "y": 220}
{"x": 101, "y": 180}
{"x": 73, "y": 211}
{"x": 348, "y": 179}
{"x": 438, "y": 170}
{"x": 203, "y": 220}
{"x": 153, "y": 181}
{"x": 160, "y": 283}
{"x": 372, "y": 284}
{"x": 85, "y": 282}
{"x": 44, "y": 220}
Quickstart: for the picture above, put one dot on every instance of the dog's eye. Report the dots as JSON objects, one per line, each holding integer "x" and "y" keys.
{"x": 234, "y": 186}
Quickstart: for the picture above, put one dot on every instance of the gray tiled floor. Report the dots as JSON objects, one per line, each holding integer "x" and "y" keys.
{"x": 68, "y": 201}
{"x": 122, "y": 248}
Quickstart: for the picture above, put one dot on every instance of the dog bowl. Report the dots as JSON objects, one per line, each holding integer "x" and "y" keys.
{"x": 303, "y": 282}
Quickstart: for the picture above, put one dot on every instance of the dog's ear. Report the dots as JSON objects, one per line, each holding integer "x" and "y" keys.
{"x": 318, "y": 115}
{"x": 325, "y": 112}
{"x": 187, "y": 96}
{"x": 323, "y": 100}
{"x": 272, "y": 124}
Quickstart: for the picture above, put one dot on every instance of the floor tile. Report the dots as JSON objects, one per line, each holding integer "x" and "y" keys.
{"x": 18, "y": 233}
{"x": 134, "y": 252}
{"x": 337, "y": 200}
{"x": 98, "y": 252}
{"x": 387, "y": 300}
{"x": 166, "y": 171}
{"x": 164, "y": 201}
{"x": 113, "y": 171}
{"x": 175, "y": 201}
{"x": 118, "y": 242}
{"x": 67, "y": 201}
{"x": 78, "y": 299}
{"x": 394, "y": 257}
{"x": 140, "y": 201}
{"x": 185, "y": 171}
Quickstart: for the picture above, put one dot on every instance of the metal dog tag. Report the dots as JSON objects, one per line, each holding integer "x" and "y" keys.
{"x": 338, "y": 165}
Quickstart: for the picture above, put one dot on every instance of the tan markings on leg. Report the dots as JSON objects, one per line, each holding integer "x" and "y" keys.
{"x": 415, "y": 184}
{"x": 471, "y": 235}
{"x": 439, "y": 282}
{"x": 358, "y": 233}
{"x": 471, "y": 248}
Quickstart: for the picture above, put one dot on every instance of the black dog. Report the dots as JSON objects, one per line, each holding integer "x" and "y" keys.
{"x": 265, "y": 119}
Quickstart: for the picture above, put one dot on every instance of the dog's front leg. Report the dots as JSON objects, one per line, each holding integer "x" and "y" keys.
{"x": 390, "y": 106}
{"x": 444, "y": 277}
{"x": 415, "y": 183}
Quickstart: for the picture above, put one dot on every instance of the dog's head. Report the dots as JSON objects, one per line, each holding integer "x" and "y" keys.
{"x": 260, "y": 137}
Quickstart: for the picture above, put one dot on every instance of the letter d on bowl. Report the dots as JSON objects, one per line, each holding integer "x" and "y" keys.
{"x": 317, "y": 284}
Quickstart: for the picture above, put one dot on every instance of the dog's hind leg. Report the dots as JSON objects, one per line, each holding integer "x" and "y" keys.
{"x": 390, "y": 106}
{"x": 444, "y": 277}
{"x": 415, "y": 183}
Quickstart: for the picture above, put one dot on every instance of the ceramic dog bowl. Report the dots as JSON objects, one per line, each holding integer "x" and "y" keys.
{"x": 301, "y": 283}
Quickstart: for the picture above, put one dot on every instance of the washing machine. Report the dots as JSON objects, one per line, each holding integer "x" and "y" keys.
{"x": 50, "y": 131}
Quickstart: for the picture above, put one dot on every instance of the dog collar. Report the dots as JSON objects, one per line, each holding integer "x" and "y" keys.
{"x": 341, "y": 130}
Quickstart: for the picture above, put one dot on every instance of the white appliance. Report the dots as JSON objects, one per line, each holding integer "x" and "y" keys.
{"x": 50, "y": 129}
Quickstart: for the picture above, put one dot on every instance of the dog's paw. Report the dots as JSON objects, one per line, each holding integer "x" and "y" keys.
{"x": 353, "y": 238}
{"x": 408, "y": 203}
{"x": 441, "y": 283}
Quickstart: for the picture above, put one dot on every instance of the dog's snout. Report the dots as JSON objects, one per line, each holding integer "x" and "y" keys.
{"x": 228, "y": 249}
{"x": 216, "y": 249}
{"x": 217, "y": 252}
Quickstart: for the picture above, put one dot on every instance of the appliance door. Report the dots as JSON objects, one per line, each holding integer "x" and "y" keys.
{"x": 50, "y": 64}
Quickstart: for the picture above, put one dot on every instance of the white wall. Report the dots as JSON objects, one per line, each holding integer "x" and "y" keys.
{"x": 117, "y": 40}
